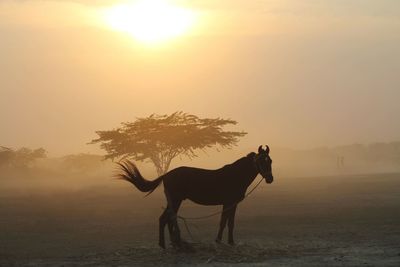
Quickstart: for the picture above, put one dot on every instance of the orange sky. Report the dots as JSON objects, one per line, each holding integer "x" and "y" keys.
{"x": 293, "y": 74}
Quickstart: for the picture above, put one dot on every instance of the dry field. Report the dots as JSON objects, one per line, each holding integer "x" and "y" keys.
{"x": 304, "y": 221}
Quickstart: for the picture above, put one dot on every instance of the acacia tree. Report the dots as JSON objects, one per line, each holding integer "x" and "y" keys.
{"x": 161, "y": 138}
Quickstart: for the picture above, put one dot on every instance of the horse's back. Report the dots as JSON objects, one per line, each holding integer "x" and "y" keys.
{"x": 189, "y": 176}
{"x": 196, "y": 175}
{"x": 206, "y": 187}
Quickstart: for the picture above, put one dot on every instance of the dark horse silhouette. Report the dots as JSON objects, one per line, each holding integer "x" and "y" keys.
{"x": 225, "y": 186}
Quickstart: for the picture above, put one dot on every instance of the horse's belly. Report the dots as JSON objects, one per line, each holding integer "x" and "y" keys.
{"x": 213, "y": 197}
{"x": 208, "y": 200}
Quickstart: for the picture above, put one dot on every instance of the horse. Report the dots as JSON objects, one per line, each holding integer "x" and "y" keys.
{"x": 225, "y": 186}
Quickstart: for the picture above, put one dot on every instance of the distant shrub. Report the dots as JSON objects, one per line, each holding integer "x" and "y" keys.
{"x": 21, "y": 158}
{"x": 82, "y": 162}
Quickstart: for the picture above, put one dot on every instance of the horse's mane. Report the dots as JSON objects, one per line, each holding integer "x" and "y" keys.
{"x": 251, "y": 155}
{"x": 238, "y": 163}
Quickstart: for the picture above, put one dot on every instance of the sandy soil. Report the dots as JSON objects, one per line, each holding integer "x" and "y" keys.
{"x": 321, "y": 221}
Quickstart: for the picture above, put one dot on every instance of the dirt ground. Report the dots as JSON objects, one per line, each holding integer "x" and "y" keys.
{"x": 304, "y": 221}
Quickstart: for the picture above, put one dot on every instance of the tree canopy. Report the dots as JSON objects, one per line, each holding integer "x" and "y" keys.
{"x": 161, "y": 138}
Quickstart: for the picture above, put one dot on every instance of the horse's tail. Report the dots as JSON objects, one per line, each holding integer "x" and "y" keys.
{"x": 131, "y": 174}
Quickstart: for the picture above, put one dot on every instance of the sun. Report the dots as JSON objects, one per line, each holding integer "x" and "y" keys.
{"x": 150, "y": 21}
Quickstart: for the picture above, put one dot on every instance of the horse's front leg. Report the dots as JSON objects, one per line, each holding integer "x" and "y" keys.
{"x": 231, "y": 223}
{"x": 222, "y": 223}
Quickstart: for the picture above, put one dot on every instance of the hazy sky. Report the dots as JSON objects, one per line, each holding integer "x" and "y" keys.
{"x": 292, "y": 73}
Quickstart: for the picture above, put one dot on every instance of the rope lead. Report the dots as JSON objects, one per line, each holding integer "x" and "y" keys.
{"x": 184, "y": 219}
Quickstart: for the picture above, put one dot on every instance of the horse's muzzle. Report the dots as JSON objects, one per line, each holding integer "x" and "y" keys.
{"x": 269, "y": 179}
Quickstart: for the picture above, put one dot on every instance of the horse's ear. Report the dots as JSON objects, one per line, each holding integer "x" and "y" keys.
{"x": 260, "y": 149}
{"x": 267, "y": 149}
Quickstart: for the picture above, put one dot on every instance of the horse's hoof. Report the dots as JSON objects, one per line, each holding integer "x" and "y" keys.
{"x": 218, "y": 241}
{"x": 184, "y": 247}
{"x": 232, "y": 243}
{"x": 162, "y": 245}
{"x": 176, "y": 244}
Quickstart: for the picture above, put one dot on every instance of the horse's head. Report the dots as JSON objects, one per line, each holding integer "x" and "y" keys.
{"x": 263, "y": 163}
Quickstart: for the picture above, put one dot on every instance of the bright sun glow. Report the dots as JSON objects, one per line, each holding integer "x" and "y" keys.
{"x": 150, "y": 21}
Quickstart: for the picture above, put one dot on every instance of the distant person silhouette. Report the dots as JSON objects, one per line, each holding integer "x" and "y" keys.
{"x": 340, "y": 162}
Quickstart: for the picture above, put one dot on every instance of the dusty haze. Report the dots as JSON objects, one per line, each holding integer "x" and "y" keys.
{"x": 298, "y": 75}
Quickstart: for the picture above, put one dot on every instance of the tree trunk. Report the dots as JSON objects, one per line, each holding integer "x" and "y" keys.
{"x": 162, "y": 161}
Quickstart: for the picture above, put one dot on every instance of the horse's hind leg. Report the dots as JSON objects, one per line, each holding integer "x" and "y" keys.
{"x": 163, "y": 221}
{"x": 175, "y": 234}
{"x": 173, "y": 207}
